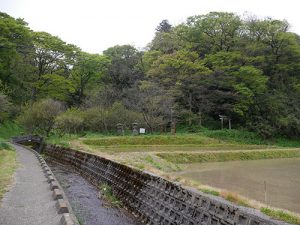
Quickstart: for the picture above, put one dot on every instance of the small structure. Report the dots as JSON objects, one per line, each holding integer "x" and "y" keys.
{"x": 225, "y": 118}
{"x": 142, "y": 130}
{"x": 120, "y": 129}
{"x": 135, "y": 129}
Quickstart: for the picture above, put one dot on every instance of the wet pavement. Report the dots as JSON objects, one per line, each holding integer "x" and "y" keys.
{"x": 83, "y": 197}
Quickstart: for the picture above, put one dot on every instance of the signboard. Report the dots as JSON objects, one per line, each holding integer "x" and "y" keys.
{"x": 142, "y": 130}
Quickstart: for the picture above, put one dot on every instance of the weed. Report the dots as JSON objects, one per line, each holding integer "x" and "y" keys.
{"x": 108, "y": 195}
{"x": 236, "y": 199}
{"x": 209, "y": 191}
{"x": 9, "y": 129}
{"x": 281, "y": 215}
{"x": 150, "y": 160}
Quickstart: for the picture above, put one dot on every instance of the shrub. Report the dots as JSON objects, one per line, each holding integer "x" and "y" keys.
{"x": 5, "y": 106}
{"x": 106, "y": 119}
{"x": 40, "y": 116}
{"x": 70, "y": 121}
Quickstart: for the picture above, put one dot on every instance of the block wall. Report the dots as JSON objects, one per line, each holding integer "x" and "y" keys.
{"x": 155, "y": 200}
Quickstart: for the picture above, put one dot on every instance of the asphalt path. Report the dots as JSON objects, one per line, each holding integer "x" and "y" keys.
{"x": 29, "y": 201}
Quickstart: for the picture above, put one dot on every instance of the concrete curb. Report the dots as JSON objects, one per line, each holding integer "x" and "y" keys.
{"x": 62, "y": 205}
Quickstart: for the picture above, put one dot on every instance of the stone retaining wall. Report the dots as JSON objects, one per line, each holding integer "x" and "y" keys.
{"x": 155, "y": 200}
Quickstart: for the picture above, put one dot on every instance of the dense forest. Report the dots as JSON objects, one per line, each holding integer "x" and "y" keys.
{"x": 247, "y": 69}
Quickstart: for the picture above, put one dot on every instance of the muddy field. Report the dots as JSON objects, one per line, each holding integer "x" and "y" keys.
{"x": 84, "y": 199}
{"x": 282, "y": 177}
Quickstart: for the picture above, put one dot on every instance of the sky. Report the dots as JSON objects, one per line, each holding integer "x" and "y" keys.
{"x": 95, "y": 25}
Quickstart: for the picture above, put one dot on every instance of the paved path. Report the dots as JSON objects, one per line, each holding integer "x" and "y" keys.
{"x": 29, "y": 201}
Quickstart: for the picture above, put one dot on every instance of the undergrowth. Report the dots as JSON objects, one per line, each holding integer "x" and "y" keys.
{"x": 281, "y": 215}
{"x": 108, "y": 195}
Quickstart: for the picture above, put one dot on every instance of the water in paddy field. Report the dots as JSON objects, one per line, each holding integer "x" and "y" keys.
{"x": 282, "y": 177}
{"x": 83, "y": 197}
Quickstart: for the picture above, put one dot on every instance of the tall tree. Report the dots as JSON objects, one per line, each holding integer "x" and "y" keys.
{"x": 88, "y": 70}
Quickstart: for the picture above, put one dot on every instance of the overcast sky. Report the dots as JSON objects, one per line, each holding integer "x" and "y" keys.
{"x": 95, "y": 25}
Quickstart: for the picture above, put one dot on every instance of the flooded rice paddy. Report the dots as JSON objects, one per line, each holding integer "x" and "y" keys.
{"x": 282, "y": 177}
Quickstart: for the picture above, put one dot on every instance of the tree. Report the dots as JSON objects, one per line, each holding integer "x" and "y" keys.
{"x": 16, "y": 50}
{"x": 55, "y": 86}
{"x": 88, "y": 69}
{"x": 213, "y": 32}
{"x": 124, "y": 69}
{"x": 69, "y": 122}
{"x": 164, "y": 26}
{"x": 152, "y": 101}
{"x": 52, "y": 55}
{"x": 40, "y": 116}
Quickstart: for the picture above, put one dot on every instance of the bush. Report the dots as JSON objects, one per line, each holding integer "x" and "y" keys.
{"x": 5, "y": 106}
{"x": 106, "y": 119}
{"x": 40, "y": 116}
{"x": 70, "y": 121}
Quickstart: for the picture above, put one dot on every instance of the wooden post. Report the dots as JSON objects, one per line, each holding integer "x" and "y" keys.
{"x": 229, "y": 124}
{"x": 222, "y": 123}
{"x": 265, "y": 189}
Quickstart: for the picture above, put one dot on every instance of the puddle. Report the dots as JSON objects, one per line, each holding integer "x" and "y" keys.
{"x": 83, "y": 197}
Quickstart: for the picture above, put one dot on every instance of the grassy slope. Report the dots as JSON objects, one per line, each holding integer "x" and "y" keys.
{"x": 7, "y": 155}
{"x": 203, "y": 138}
{"x": 7, "y": 168}
{"x": 223, "y": 156}
{"x": 8, "y": 130}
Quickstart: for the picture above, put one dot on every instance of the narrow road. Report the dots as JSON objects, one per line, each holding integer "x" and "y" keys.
{"x": 29, "y": 201}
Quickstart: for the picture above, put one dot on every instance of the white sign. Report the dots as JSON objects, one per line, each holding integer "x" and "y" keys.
{"x": 142, "y": 130}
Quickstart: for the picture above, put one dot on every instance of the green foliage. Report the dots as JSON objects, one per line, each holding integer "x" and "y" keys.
{"x": 54, "y": 86}
{"x": 228, "y": 156}
{"x": 4, "y": 145}
{"x": 149, "y": 159}
{"x": 210, "y": 65}
{"x": 281, "y": 215}
{"x": 69, "y": 122}
{"x": 209, "y": 191}
{"x": 88, "y": 69}
{"x": 239, "y": 136}
{"x": 8, "y": 165}
{"x": 108, "y": 195}
{"x": 106, "y": 119}
{"x": 4, "y": 107}
{"x": 9, "y": 130}
{"x": 40, "y": 117}
{"x": 149, "y": 140}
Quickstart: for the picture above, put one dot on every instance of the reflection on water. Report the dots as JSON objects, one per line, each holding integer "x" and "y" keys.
{"x": 247, "y": 178}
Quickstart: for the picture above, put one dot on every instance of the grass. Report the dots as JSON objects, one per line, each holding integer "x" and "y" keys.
{"x": 246, "y": 137}
{"x": 181, "y": 158}
{"x": 7, "y": 168}
{"x": 150, "y": 140}
{"x": 9, "y": 129}
{"x": 236, "y": 199}
{"x": 62, "y": 141}
{"x": 281, "y": 215}
{"x": 108, "y": 195}
{"x": 156, "y": 164}
{"x": 210, "y": 191}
